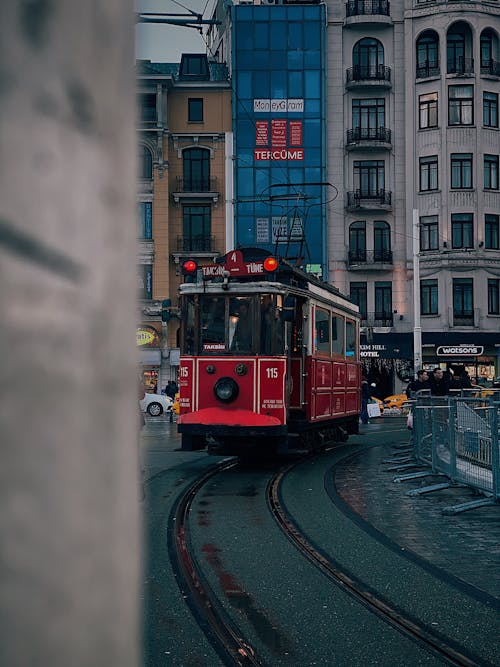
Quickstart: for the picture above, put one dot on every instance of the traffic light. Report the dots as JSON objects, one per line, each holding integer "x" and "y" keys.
{"x": 165, "y": 310}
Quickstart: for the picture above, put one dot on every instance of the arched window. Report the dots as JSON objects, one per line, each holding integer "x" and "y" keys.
{"x": 145, "y": 163}
{"x": 458, "y": 49}
{"x": 196, "y": 167}
{"x": 381, "y": 242}
{"x": 427, "y": 54}
{"x": 357, "y": 242}
{"x": 368, "y": 58}
{"x": 489, "y": 53}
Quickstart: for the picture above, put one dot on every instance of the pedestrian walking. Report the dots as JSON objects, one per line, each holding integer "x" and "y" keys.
{"x": 365, "y": 397}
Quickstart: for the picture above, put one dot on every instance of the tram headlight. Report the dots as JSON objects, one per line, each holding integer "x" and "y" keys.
{"x": 226, "y": 390}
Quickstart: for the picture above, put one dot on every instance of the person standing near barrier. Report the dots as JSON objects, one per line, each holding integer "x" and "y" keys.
{"x": 440, "y": 385}
{"x": 422, "y": 382}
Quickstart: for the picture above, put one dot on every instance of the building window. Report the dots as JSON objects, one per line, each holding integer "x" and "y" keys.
{"x": 196, "y": 169}
{"x": 145, "y": 163}
{"x": 196, "y": 228}
{"x": 490, "y": 109}
{"x": 493, "y": 296}
{"x": 145, "y": 281}
{"x": 358, "y": 294}
{"x": 429, "y": 297}
{"x": 368, "y": 56}
{"x": 381, "y": 242}
{"x": 462, "y": 230}
{"x": 491, "y": 172}
{"x": 455, "y": 53}
{"x": 427, "y": 54}
{"x": 145, "y": 219}
{"x": 461, "y": 171}
{"x": 383, "y": 302}
{"x": 195, "y": 110}
{"x": 428, "y": 169}
{"x": 491, "y": 231}
{"x": 428, "y": 111}
{"x": 460, "y": 105}
{"x": 357, "y": 242}
{"x": 194, "y": 66}
{"x": 463, "y": 301}
{"x": 368, "y": 116}
{"x": 369, "y": 177}
{"x": 147, "y": 107}
{"x": 429, "y": 237}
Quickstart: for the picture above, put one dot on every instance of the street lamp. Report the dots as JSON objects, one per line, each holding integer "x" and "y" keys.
{"x": 417, "y": 331}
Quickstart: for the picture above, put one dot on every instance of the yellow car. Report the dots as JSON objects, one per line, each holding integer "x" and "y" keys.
{"x": 395, "y": 401}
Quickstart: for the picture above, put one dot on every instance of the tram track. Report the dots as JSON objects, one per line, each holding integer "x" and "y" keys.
{"x": 220, "y": 630}
{"x": 343, "y": 578}
{"x": 223, "y": 632}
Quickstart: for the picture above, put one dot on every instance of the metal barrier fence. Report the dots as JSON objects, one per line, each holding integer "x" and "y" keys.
{"x": 458, "y": 437}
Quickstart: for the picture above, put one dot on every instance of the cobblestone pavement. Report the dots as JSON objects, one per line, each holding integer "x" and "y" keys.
{"x": 465, "y": 545}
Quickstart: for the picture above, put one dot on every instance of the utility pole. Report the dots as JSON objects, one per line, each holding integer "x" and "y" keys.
{"x": 417, "y": 331}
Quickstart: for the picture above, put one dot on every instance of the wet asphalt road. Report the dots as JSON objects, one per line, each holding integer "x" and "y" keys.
{"x": 171, "y": 635}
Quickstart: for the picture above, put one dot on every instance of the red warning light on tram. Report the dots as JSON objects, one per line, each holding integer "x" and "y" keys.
{"x": 189, "y": 267}
{"x": 270, "y": 264}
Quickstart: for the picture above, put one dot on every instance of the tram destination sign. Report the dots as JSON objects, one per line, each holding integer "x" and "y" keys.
{"x": 459, "y": 350}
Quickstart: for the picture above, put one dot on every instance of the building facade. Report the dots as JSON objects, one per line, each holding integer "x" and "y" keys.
{"x": 412, "y": 133}
{"x": 184, "y": 193}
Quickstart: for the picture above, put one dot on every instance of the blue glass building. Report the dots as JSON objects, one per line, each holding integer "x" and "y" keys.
{"x": 278, "y": 64}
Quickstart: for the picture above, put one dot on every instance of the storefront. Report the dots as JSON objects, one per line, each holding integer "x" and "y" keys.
{"x": 388, "y": 362}
{"x": 475, "y": 353}
{"x": 149, "y": 356}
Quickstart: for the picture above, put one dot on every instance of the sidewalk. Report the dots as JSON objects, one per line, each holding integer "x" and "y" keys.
{"x": 465, "y": 546}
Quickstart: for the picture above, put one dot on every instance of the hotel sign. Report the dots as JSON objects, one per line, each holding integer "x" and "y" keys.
{"x": 459, "y": 350}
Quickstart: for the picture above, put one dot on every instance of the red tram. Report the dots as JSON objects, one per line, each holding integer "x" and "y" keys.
{"x": 269, "y": 358}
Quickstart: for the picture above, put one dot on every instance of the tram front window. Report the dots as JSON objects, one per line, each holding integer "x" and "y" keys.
{"x": 212, "y": 323}
{"x": 241, "y": 325}
{"x": 271, "y": 330}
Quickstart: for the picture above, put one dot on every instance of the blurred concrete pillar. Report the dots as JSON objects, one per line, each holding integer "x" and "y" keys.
{"x": 68, "y": 405}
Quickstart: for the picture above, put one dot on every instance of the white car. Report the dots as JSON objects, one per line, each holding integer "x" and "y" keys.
{"x": 156, "y": 404}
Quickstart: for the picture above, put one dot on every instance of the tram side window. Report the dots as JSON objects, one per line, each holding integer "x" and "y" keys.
{"x": 337, "y": 335}
{"x": 212, "y": 319}
{"x": 241, "y": 327}
{"x": 322, "y": 331}
{"x": 350, "y": 339}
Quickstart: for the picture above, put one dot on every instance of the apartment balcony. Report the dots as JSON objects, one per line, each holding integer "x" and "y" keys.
{"x": 195, "y": 190}
{"x": 196, "y": 244}
{"x": 367, "y": 12}
{"x": 427, "y": 69}
{"x": 465, "y": 318}
{"x": 461, "y": 66}
{"x": 377, "y": 319}
{"x": 369, "y": 260}
{"x": 368, "y": 138}
{"x": 490, "y": 68}
{"x": 369, "y": 201}
{"x": 361, "y": 76}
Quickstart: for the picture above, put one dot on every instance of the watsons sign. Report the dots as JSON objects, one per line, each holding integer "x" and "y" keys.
{"x": 459, "y": 350}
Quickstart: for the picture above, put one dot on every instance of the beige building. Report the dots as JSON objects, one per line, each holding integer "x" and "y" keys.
{"x": 184, "y": 193}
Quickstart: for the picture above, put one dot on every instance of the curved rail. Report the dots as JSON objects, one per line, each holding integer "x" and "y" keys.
{"x": 220, "y": 631}
{"x": 342, "y": 578}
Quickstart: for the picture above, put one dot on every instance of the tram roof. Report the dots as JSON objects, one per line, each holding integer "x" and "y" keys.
{"x": 286, "y": 277}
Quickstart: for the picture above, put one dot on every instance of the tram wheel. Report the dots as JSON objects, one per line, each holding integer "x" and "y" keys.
{"x": 193, "y": 442}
